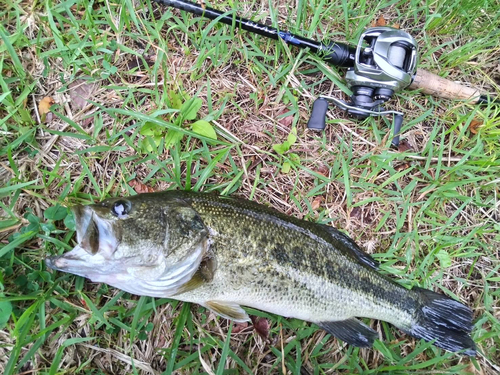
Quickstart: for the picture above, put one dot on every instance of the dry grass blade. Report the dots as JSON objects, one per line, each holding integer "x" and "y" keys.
{"x": 146, "y": 367}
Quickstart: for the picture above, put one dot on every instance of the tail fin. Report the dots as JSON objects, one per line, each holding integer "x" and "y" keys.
{"x": 444, "y": 320}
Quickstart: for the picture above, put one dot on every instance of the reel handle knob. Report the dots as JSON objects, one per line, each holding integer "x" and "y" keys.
{"x": 398, "y": 122}
{"x": 317, "y": 121}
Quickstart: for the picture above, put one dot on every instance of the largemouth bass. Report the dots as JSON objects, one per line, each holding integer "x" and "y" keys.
{"x": 224, "y": 253}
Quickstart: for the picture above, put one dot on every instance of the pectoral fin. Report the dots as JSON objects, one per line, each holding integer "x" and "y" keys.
{"x": 228, "y": 310}
{"x": 195, "y": 282}
{"x": 204, "y": 274}
{"x": 352, "y": 331}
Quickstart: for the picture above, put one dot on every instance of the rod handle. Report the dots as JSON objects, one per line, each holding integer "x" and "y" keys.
{"x": 432, "y": 84}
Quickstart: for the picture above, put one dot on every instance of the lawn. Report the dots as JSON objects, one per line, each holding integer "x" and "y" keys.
{"x": 103, "y": 98}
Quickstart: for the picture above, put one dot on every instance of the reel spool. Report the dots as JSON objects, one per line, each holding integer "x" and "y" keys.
{"x": 385, "y": 63}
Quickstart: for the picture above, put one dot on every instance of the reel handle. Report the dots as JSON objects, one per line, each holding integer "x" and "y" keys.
{"x": 317, "y": 121}
{"x": 398, "y": 122}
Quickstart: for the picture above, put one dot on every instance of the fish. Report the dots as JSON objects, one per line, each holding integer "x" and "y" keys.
{"x": 226, "y": 253}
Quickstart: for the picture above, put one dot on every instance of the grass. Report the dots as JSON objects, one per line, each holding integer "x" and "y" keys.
{"x": 430, "y": 215}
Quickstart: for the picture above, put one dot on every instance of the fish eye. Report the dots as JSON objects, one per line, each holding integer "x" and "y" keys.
{"x": 121, "y": 209}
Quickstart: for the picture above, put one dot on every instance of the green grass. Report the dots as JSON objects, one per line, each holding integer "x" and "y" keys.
{"x": 430, "y": 215}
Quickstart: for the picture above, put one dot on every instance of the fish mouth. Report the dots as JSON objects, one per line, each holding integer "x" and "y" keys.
{"x": 97, "y": 241}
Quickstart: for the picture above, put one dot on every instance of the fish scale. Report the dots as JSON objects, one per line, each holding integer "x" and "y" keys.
{"x": 310, "y": 253}
{"x": 224, "y": 253}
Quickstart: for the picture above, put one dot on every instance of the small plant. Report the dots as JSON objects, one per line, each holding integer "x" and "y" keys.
{"x": 283, "y": 148}
{"x": 187, "y": 111}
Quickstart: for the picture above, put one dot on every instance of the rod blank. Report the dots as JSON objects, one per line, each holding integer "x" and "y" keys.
{"x": 338, "y": 54}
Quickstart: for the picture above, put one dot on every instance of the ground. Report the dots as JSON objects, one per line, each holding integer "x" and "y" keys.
{"x": 107, "y": 98}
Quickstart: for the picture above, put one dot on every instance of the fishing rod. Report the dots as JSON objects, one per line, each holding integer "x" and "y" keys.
{"x": 383, "y": 62}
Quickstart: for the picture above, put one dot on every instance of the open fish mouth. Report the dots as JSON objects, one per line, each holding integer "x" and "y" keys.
{"x": 97, "y": 242}
{"x": 107, "y": 251}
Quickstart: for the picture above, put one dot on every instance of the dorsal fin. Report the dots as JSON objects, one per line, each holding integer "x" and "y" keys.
{"x": 348, "y": 246}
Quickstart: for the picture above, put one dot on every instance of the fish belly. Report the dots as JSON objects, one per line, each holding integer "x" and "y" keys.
{"x": 293, "y": 294}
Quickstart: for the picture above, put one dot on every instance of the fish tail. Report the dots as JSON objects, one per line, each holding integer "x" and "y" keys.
{"x": 443, "y": 320}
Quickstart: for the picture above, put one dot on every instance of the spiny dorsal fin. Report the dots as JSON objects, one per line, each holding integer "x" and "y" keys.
{"x": 351, "y": 331}
{"x": 228, "y": 310}
{"x": 346, "y": 244}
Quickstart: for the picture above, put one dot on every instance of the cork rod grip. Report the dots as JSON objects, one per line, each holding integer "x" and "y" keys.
{"x": 435, "y": 85}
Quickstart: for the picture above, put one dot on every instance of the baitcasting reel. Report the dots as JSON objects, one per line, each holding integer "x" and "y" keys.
{"x": 385, "y": 63}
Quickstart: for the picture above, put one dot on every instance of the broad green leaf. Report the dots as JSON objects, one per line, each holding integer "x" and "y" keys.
{"x": 32, "y": 218}
{"x": 151, "y": 129}
{"x": 285, "y": 167}
{"x": 175, "y": 99}
{"x": 151, "y": 143}
{"x": 172, "y": 137}
{"x": 190, "y": 108}
{"x": 55, "y": 213}
{"x": 444, "y": 258}
{"x": 5, "y": 311}
{"x": 69, "y": 221}
{"x": 292, "y": 137}
{"x": 281, "y": 148}
{"x": 204, "y": 128}
{"x": 48, "y": 227}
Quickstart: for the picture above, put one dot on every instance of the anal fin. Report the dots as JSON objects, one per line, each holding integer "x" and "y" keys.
{"x": 228, "y": 310}
{"x": 351, "y": 331}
